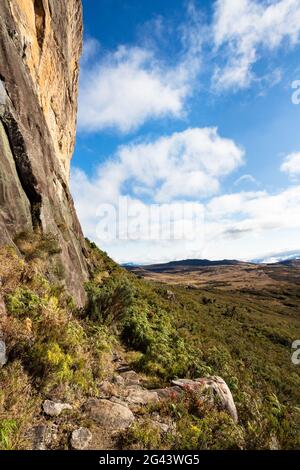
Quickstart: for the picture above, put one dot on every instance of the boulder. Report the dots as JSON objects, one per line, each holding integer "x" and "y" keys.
{"x": 81, "y": 438}
{"x": 169, "y": 392}
{"x": 140, "y": 396}
{"x": 108, "y": 414}
{"x": 217, "y": 385}
{"x": 52, "y": 408}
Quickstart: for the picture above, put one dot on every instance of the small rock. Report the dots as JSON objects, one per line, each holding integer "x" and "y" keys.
{"x": 42, "y": 436}
{"x": 108, "y": 389}
{"x": 38, "y": 434}
{"x": 130, "y": 377}
{"x": 3, "y": 94}
{"x": 170, "y": 295}
{"x": 109, "y": 415}
{"x": 52, "y": 408}
{"x": 123, "y": 368}
{"x": 3, "y": 358}
{"x": 81, "y": 438}
{"x": 274, "y": 444}
{"x": 118, "y": 380}
{"x": 141, "y": 396}
{"x": 161, "y": 426}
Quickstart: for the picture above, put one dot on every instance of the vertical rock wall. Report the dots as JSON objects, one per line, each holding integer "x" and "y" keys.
{"x": 40, "y": 46}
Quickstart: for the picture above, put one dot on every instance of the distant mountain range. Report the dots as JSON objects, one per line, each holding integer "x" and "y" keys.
{"x": 287, "y": 258}
{"x": 185, "y": 264}
{"x": 192, "y": 263}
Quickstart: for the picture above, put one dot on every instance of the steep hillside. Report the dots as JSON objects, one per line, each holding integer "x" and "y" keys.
{"x": 91, "y": 355}
{"x": 115, "y": 364}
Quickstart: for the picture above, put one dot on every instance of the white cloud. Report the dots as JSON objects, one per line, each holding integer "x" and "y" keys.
{"x": 245, "y": 179}
{"x": 186, "y": 164}
{"x": 240, "y": 225}
{"x": 256, "y": 211}
{"x": 245, "y": 225}
{"x": 91, "y": 47}
{"x": 125, "y": 88}
{"x": 182, "y": 167}
{"x": 291, "y": 165}
{"x": 243, "y": 28}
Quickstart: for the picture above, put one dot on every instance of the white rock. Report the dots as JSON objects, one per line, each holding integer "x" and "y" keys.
{"x": 3, "y": 358}
{"x": 140, "y": 396}
{"x": 217, "y": 385}
{"x": 52, "y": 408}
{"x": 109, "y": 415}
{"x": 81, "y": 438}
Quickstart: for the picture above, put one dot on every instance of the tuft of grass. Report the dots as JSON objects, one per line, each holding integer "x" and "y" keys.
{"x": 7, "y": 429}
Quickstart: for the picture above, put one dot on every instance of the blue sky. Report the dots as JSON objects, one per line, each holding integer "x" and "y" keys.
{"x": 188, "y": 104}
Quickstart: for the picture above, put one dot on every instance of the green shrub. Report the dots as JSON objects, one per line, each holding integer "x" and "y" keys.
{"x": 216, "y": 431}
{"x": 34, "y": 244}
{"x": 23, "y": 302}
{"x": 136, "y": 330}
{"x": 107, "y": 303}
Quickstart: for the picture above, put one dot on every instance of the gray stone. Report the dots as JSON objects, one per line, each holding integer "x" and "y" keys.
{"x": 52, "y": 408}
{"x": 170, "y": 295}
{"x": 38, "y": 436}
{"x": 217, "y": 385}
{"x": 3, "y": 358}
{"x": 130, "y": 377}
{"x": 123, "y": 368}
{"x": 169, "y": 392}
{"x": 161, "y": 426}
{"x": 141, "y": 396}
{"x": 81, "y": 438}
{"x": 109, "y": 415}
{"x": 121, "y": 401}
{"x": 118, "y": 380}
{"x": 3, "y": 94}
{"x": 42, "y": 436}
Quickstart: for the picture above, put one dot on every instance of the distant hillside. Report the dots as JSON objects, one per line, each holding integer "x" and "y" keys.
{"x": 294, "y": 262}
{"x": 184, "y": 264}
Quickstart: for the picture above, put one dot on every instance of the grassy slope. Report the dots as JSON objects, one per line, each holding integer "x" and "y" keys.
{"x": 245, "y": 339}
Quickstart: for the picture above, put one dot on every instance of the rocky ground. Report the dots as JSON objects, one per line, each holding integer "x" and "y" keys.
{"x": 123, "y": 400}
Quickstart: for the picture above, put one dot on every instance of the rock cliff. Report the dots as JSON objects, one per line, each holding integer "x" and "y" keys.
{"x": 40, "y": 46}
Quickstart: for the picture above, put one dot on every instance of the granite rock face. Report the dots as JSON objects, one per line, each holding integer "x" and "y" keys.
{"x": 40, "y": 46}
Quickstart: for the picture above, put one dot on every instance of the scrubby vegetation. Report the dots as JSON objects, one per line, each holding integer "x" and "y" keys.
{"x": 54, "y": 349}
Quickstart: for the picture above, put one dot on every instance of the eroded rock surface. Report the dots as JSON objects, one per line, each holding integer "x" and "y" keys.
{"x": 40, "y": 46}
